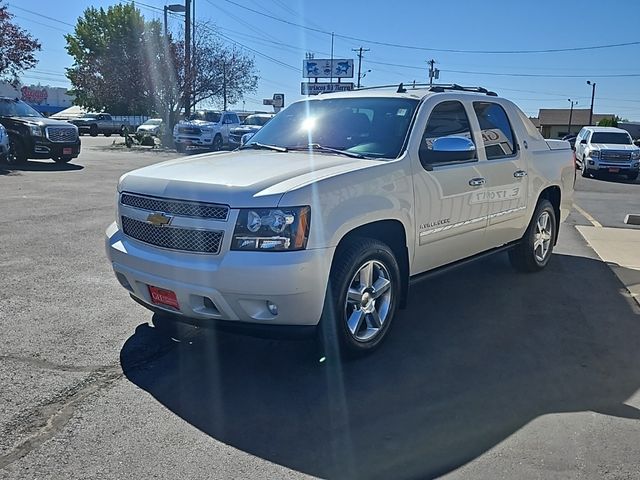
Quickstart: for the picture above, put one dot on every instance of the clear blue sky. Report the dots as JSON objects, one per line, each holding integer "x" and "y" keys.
{"x": 533, "y": 81}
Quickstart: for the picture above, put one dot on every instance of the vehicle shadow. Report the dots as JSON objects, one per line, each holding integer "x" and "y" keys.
{"x": 613, "y": 178}
{"x": 478, "y": 354}
{"x": 37, "y": 166}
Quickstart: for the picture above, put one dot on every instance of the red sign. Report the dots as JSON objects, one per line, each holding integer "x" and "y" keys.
{"x": 31, "y": 95}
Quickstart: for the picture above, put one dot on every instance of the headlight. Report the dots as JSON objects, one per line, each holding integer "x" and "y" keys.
{"x": 272, "y": 229}
{"x": 36, "y": 130}
{"x": 594, "y": 153}
{"x": 634, "y": 155}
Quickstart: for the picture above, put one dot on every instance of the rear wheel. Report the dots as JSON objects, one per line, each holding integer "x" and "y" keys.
{"x": 534, "y": 250}
{"x": 93, "y": 130}
{"x": 362, "y": 298}
{"x": 107, "y": 134}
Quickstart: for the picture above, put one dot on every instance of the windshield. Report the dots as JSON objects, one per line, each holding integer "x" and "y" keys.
{"x": 17, "y": 108}
{"x": 153, "y": 121}
{"x": 205, "y": 116}
{"x": 256, "y": 120}
{"x": 611, "y": 137}
{"x": 375, "y": 127}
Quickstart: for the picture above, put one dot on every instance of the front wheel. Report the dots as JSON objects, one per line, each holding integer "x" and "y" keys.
{"x": 633, "y": 176}
{"x": 362, "y": 298}
{"x": 534, "y": 250}
{"x": 584, "y": 171}
{"x": 180, "y": 148}
{"x": 93, "y": 130}
{"x": 217, "y": 143}
{"x": 17, "y": 152}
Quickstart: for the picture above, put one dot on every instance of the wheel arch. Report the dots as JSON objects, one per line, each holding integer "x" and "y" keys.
{"x": 554, "y": 195}
{"x": 392, "y": 233}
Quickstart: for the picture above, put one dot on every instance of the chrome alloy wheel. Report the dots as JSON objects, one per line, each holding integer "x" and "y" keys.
{"x": 542, "y": 237}
{"x": 368, "y": 301}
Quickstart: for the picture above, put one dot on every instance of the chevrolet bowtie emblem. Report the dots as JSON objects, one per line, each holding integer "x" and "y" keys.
{"x": 159, "y": 219}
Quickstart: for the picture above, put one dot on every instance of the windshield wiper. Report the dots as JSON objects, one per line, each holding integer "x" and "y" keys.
{"x": 322, "y": 148}
{"x": 264, "y": 146}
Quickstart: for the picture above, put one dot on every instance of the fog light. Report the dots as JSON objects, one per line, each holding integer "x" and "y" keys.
{"x": 273, "y": 308}
{"x": 591, "y": 162}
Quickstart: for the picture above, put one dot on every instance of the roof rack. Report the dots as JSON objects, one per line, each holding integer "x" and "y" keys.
{"x": 438, "y": 88}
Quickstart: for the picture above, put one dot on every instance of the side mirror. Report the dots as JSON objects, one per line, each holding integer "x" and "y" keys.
{"x": 448, "y": 149}
{"x": 583, "y": 142}
{"x": 246, "y": 137}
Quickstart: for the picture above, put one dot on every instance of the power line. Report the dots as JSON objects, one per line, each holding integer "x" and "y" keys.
{"x": 545, "y": 75}
{"x": 41, "y": 15}
{"x": 428, "y": 49}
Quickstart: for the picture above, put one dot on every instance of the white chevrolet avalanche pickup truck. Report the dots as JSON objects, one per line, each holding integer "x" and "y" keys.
{"x": 333, "y": 208}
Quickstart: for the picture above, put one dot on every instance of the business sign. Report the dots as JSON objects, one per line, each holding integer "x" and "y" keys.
{"x": 34, "y": 95}
{"x": 308, "y": 88}
{"x": 325, "y": 68}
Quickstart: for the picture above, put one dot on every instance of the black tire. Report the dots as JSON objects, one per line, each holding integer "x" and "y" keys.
{"x": 93, "y": 130}
{"x": 584, "y": 170}
{"x": 524, "y": 256}
{"x": 335, "y": 336}
{"x": 107, "y": 134}
{"x": 180, "y": 148}
{"x": 17, "y": 152}
{"x": 217, "y": 143}
{"x": 633, "y": 176}
{"x": 62, "y": 159}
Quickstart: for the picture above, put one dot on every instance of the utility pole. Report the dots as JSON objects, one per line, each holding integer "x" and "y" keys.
{"x": 360, "y": 50}
{"x": 593, "y": 94}
{"x": 331, "y": 77}
{"x": 571, "y": 115}
{"x": 193, "y": 50}
{"x": 187, "y": 58}
{"x": 433, "y": 72}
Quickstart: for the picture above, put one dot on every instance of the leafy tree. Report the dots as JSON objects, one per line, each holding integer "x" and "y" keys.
{"x": 17, "y": 48}
{"x": 109, "y": 69}
{"x": 611, "y": 122}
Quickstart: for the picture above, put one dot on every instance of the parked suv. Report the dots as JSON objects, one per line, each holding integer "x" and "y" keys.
{"x": 33, "y": 136}
{"x": 251, "y": 124}
{"x": 4, "y": 144}
{"x": 607, "y": 150}
{"x": 321, "y": 221}
{"x": 205, "y": 129}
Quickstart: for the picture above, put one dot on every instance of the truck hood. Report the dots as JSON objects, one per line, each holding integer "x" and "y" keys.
{"x": 196, "y": 123}
{"x": 614, "y": 146}
{"x": 249, "y": 178}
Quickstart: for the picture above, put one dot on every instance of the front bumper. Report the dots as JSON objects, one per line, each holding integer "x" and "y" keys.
{"x": 43, "y": 148}
{"x": 232, "y": 286}
{"x": 192, "y": 141}
{"x": 608, "y": 165}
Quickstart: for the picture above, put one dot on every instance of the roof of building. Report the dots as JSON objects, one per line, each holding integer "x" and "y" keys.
{"x": 560, "y": 116}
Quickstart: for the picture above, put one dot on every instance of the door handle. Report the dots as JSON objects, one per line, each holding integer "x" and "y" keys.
{"x": 519, "y": 174}
{"x": 477, "y": 182}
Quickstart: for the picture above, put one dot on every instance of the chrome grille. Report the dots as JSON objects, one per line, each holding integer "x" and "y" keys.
{"x": 62, "y": 134}
{"x": 615, "y": 156}
{"x": 187, "y": 240}
{"x": 189, "y": 130}
{"x": 181, "y": 208}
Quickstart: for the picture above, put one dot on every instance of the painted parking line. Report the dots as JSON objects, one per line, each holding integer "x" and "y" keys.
{"x": 586, "y": 215}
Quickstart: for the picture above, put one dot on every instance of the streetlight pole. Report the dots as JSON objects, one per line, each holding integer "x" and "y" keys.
{"x": 593, "y": 94}
{"x": 571, "y": 114}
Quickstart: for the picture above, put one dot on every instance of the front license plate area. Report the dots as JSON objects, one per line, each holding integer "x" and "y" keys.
{"x": 162, "y": 297}
{"x": 614, "y": 170}
{"x": 67, "y": 151}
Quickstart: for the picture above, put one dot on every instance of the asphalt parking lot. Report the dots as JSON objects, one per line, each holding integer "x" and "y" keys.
{"x": 488, "y": 373}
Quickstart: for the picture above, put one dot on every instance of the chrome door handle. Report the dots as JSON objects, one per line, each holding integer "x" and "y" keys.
{"x": 477, "y": 182}
{"x": 519, "y": 173}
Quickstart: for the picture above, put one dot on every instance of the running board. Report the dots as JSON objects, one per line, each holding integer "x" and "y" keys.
{"x": 460, "y": 263}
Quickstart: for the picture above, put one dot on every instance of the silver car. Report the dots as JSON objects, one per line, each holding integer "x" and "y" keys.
{"x": 4, "y": 144}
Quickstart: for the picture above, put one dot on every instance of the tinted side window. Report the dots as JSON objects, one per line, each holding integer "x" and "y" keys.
{"x": 234, "y": 118}
{"x": 497, "y": 135}
{"x": 447, "y": 119}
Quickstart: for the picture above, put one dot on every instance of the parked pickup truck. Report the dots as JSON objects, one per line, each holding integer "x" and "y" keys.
{"x": 607, "y": 150}
{"x": 323, "y": 219}
{"x": 205, "y": 129}
{"x": 96, "y": 123}
{"x": 33, "y": 136}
